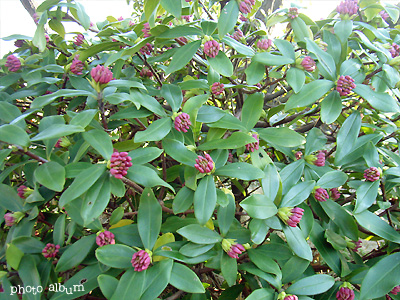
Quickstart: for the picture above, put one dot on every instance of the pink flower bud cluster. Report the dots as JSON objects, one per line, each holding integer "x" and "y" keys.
{"x": 141, "y": 260}
{"x": 77, "y": 66}
{"x": 79, "y": 39}
{"x": 187, "y": 18}
{"x": 395, "y": 290}
{"x": 47, "y": 38}
{"x": 35, "y": 17}
{"x": 217, "y": 88}
{"x": 345, "y": 293}
{"x": 211, "y": 48}
{"x": 146, "y": 49}
{"x": 246, "y": 6}
{"x": 204, "y": 164}
{"x": 298, "y": 155}
{"x": 348, "y": 7}
{"x": 321, "y": 194}
{"x": 295, "y": 216}
{"x": 50, "y": 250}
{"x": 357, "y": 245}
{"x": 253, "y": 146}
{"x": 372, "y": 174}
{"x": 345, "y": 85}
{"x": 9, "y": 218}
{"x": 182, "y": 122}
{"x": 308, "y": 64}
{"x": 105, "y": 238}
{"x": 230, "y": 157}
{"x": 146, "y": 30}
{"x": 19, "y": 43}
{"x": 145, "y": 72}
{"x": 320, "y": 161}
{"x": 235, "y": 250}
{"x": 13, "y": 63}
{"x": 21, "y": 191}
{"x": 120, "y": 163}
{"x": 237, "y": 35}
{"x": 101, "y": 74}
{"x": 293, "y": 12}
{"x": 335, "y": 194}
{"x": 264, "y": 44}
{"x": 394, "y": 50}
{"x": 384, "y": 15}
{"x": 291, "y": 297}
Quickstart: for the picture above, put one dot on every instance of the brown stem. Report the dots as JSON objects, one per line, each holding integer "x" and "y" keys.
{"x": 151, "y": 69}
{"x": 30, "y": 154}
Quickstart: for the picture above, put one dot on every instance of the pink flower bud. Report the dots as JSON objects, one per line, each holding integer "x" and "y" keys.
{"x": 291, "y": 297}
{"x": 230, "y": 157}
{"x": 47, "y": 38}
{"x": 345, "y": 293}
{"x": 9, "y": 218}
{"x": 182, "y": 122}
{"x": 19, "y": 43}
{"x": 121, "y": 18}
{"x": 298, "y": 155}
{"x": 146, "y": 30}
{"x": 77, "y": 66}
{"x": 243, "y": 18}
{"x": 120, "y": 162}
{"x": 372, "y": 174}
{"x": 308, "y": 64}
{"x": 253, "y": 146}
{"x": 146, "y": 49}
{"x": 79, "y": 39}
{"x": 264, "y": 44}
{"x": 395, "y": 290}
{"x": 35, "y": 17}
{"x": 101, "y": 74}
{"x": 141, "y": 260}
{"x": 245, "y": 7}
{"x": 394, "y": 50}
{"x": 295, "y": 216}
{"x": 237, "y": 35}
{"x": 320, "y": 161}
{"x": 13, "y": 63}
{"x": 211, "y": 48}
{"x": 204, "y": 164}
{"x": 357, "y": 245}
{"x": 187, "y": 18}
{"x": 145, "y": 72}
{"x": 217, "y": 88}
{"x": 293, "y": 12}
{"x": 335, "y": 194}
{"x": 384, "y": 15}
{"x": 50, "y": 250}
{"x": 21, "y": 191}
{"x": 345, "y": 85}
{"x": 105, "y": 238}
{"x": 348, "y": 7}
{"x": 321, "y": 194}
{"x": 235, "y": 250}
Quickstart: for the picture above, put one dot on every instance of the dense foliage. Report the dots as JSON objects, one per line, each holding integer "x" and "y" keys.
{"x": 182, "y": 154}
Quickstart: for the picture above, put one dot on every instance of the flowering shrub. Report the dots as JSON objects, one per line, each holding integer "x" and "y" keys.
{"x": 199, "y": 158}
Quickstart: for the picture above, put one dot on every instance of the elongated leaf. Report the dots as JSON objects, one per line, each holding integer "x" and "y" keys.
{"x": 146, "y": 177}
{"x": 182, "y": 56}
{"x": 252, "y": 110}
{"x": 173, "y": 94}
{"x": 57, "y": 131}
{"x": 297, "y": 243}
{"x": 298, "y": 193}
{"x": 149, "y": 218}
{"x": 331, "y": 107}
{"x": 107, "y": 284}
{"x": 228, "y": 268}
{"x": 183, "y": 200}
{"x": 174, "y": 7}
{"x": 130, "y": 285}
{"x": 44, "y": 100}
{"x": 115, "y": 256}
{"x": 199, "y": 234}
{"x": 366, "y": 195}
{"x": 100, "y": 141}
{"x": 236, "y": 140}
{"x": 221, "y": 63}
{"x": 269, "y": 59}
{"x": 82, "y": 15}
{"x": 155, "y": 132}
{"x": 149, "y": 7}
{"x": 380, "y": 101}
{"x": 185, "y": 279}
{"x": 240, "y": 170}
{"x": 14, "y": 134}
{"x": 326, "y": 63}
{"x": 228, "y": 17}
{"x": 179, "y": 152}
{"x": 312, "y": 285}
{"x": 332, "y": 179}
{"x": 9, "y": 199}
{"x": 59, "y": 230}
{"x": 347, "y": 136}
{"x": 205, "y": 199}
{"x": 144, "y": 155}
{"x": 296, "y": 78}
{"x": 259, "y": 206}
{"x": 281, "y": 136}
{"x": 29, "y": 274}
{"x": 51, "y": 175}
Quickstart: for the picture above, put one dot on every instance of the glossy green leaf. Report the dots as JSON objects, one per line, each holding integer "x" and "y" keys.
{"x": 312, "y": 285}
{"x": 13, "y": 134}
{"x": 294, "y": 268}
{"x": 157, "y": 279}
{"x": 199, "y": 234}
{"x": 182, "y": 56}
{"x": 149, "y": 218}
{"x": 332, "y": 179}
{"x": 255, "y": 72}
{"x": 266, "y": 264}
{"x": 226, "y": 214}
{"x": 221, "y": 64}
{"x": 298, "y": 193}
{"x": 57, "y": 132}
{"x": 107, "y": 284}
{"x": 155, "y": 132}
{"x": 30, "y": 276}
{"x": 295, "y": 78}
{"x": 281, "y": 136}
{"x": 131, "y": 285}
{"x": 146, "y": 176}
{"x": 366, "y": 195}
{"x": 149, "y": 7}
{"x": 9, "y": 199}
{"x": 240, "y": 170}
{"x": 59, "y": 230}
{"x": 174, "y": 7}
{"x": 326, "y": 63}
{"x": 179, "y": 152}
{"x": 194, "y": 250}
{"x": 300, "y": 29}
{"x": 208, "y": 27}
{"x": 185, "y": 279}
{"x": 173, "y": 94}
{"x": 297, "y": 242}
{"x": 51, "y": 175}
{"x": 100, "y": 141}
{"x": 28, "y": 244}
{"x": 259, "y": 206}
{"x": 115, "y": 256}
{"x": 261, "y": 294}
{"x": 44, "y": 100}
{"x": 228, "y": 268}
{"x": 331, "y": 107}
{"x": 143, "y": 155}
{"x": 82, "y": 15}
{"x": 271, "y": 182}
{"x": 380, "y": 101}
{"x": 228, "y": 17}
{"x": 183, "y": 200}
{"x": 205, "y": 199}
{"x": 252, "y": 110}
{"x": 269, "y": 59}
{"x": 347, "y": 136}
{"x": 236, "y": 140}
{"x": 142, "y": 99}
{"x": 239, "y": 47}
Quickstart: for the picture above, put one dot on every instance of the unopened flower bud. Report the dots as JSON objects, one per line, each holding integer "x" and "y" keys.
{"x": 101, "y": 74}
{"x": 50, "y": 250}
{"x": 372, "y": 174}
{"x": 105, "y": 238}
{"x": 237, "y": 35}
{"x": 205, "y": 164}
{"x": 79, "y": 39}
{"x": 395, "y": 290}
{"x": 146, "y": 49}
{"x": 141, "y": 260}
{"x": 145, "y": 72}
{"x": 394, "y": 50}
{"x": 345, "y": 85}
{"x": 146, "y": 30}
{"x": 321, "y": 194}
{"x": 320, "y": 159}
{"x": 13, "y": 63}
{"x": 9, "y": 218}
{"x": 211, "y": 48}
{"x": 384, "y": 15}
{"x": 24, "y": 191}
{"x": 217, "y": 88}
{"x": 308, "y": 64}
{"x": 120, "y": 162}
{"x": 293, "y": 12}
{"x": 253, "y": 146}
{"x": 335, "y": 194}
{"x": 290, "y": 216}
{"x": 345, "y": 292}
{"x": 245, "y": 6}
{"x": 298, "y": 155}
{"x": 264, "y": 44}
{"x": 347, "y": 7}
{"x": 77, "y": 66}
{"x": 182, "y": 122}
{"x": 232, "y": 248}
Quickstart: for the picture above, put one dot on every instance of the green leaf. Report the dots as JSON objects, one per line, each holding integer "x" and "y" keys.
{"x": 174, "y": 7}
{"x": 227, "y": 18}
{"x": 44, "y": 100}
{"x": 226, "y": 214}
{"x": 146, "y": 176}
{"x": 82, "y": 15}
{"x": 221, "y": 64}
{"x": 13, "y": 256}
{"x": 259, "y": 206}
{"x": 130, "y": 286}
{"x": 149, "y": 7}
{"x": 13, "y": 134}
{"x": 149, "y": 218}
{"x": 261, "y": 294}
{"x": 96, "y": 199}
{"x": 266, "y": 264}
{"x": 239, "y": 47}
{"x": 381, "y": 278}
{"x": 366, "y": 195}
{"x": 294, "y": 268}
{"x": 311, "y": 285}
{"x": 326, "y": 64}
{"x": 9, "y": 199}
{"x": 298, "y": 193}
{"x": 178, "y": 31}
{"x": 297, "y": 242}
{"x": 295, "y": 78}
{"x": 376, "y": 225}
{"x": 75, "y": 253}
{"x": 310, "y": 93}
{"x": 57, "y": 26}
{"x": 157, "y": 279}
{"x": 182, "y": 56}
{"x": 115, "y": 256}
{"x": 59, "y": 230}
{"x": 116, "y": 215}
{"x": 228, "y": 268}
{"x": 100, "y": 141}
{"x": 282, "y": 136}
{"x": 286, "y": 48}
{"x": 185, "y": 279}
{"x": 236, "y": 140}
{"x": 51, "y": 175}
{"x": 300, "y": 30}
{"x": 130, "y": 112}
{"x": 240, "y": 170}
{"x": 269, "y": 59}
{"x": 259, "y": 230}
{"x": 208, "y": 27}
{"x": 343, "y": 30}
{"x": 183, "y": 200}
{"x": 315, "y": 140}
{"x": 380, "y": 101}
{"x": 108, "y": 284}
{"x": 39, "y": 39}
{"x": 347, "y": 136}
{"x": 57, "y": 132}
{"x": 139, "y": 98}
{"x": 251, "y": 268}
{"x": 155, "y": 132}
{"x": 199, "y": 234}
{"x": 271, "y": 182}
{"x": 291, "y": 174}
{"x": 254, "y": 73}
{"x": 179, "y": 152}
{"x": 173, "y": 94}
{"x": 332, "y": 179}
{"x": 331, "y": 107}
{"x": 194, "y": 250}
{"x": 143, "y": 155}
{"x": 205, "y": 199}
{"x": 30, "y": 276}
{"x": 83, "y": 118}
{"x": 28, "y": 244}
{"x": 82, "y": 183}
{"x": 252, "y": 110}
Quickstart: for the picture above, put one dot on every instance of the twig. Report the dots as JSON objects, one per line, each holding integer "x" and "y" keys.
{"x": 205, "y": 9}
{"x": 30, "y": 154}
{"x": 175, "y": 296}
